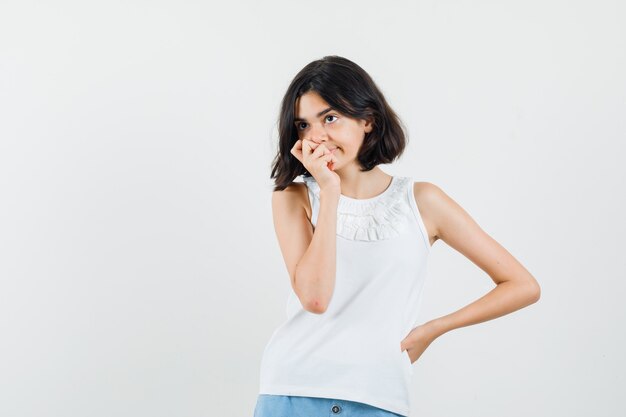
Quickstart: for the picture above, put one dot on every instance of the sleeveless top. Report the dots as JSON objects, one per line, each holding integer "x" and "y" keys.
{"x": 352, "y": 351}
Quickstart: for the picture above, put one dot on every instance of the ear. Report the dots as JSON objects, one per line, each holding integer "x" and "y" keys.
{"x": 369, "y": 124}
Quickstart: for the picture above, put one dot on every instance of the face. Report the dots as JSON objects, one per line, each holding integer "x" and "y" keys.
{"x": 319, "y": 123}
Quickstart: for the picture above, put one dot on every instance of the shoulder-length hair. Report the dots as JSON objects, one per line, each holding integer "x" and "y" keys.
{"x": 346, "y": 87}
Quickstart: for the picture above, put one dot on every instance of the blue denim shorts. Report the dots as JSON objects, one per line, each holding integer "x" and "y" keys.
{"x": 269, "y": 405}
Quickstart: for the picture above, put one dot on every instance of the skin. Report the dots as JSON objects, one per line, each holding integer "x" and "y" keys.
{"x": 443, "y": 218}
{"x": 515, "y": 287}
{"x": 334, "y": 130}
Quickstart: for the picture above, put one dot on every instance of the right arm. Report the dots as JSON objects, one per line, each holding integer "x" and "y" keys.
{"x": 310, "y": 256}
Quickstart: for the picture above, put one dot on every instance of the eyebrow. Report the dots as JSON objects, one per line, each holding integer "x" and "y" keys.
{"x": 297, "y": 119}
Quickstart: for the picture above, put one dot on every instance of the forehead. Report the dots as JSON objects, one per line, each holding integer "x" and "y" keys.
{"x": 308, "y": 104}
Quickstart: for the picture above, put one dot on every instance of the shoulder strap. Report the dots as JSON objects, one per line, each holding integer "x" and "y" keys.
{"x": 417, "y": 214}
{"x": 313, "y": 191}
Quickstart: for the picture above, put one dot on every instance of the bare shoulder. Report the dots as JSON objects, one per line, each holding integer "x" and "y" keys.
{"x": 429, "y": 199}
{"x": 442, "y": 215}
{"x": 452, "y": 224}
{"x": 293, "y": 230}
{"x": 295, "y": 195}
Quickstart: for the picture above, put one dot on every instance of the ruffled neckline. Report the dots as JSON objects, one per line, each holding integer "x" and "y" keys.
{"x": 377, "y": 218}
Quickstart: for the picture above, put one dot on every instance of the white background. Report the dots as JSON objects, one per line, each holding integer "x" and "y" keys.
{"x": 139, "y": 270}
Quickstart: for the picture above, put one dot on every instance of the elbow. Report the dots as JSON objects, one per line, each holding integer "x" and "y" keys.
{"x": 537, "y": 294}
{"x": 311, "y": 303}
{"x": 315, "y": 306}
{"x": 310, "y": 298}
{"x": 534, "y": 291}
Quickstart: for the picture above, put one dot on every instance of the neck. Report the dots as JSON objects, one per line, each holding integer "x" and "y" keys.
{"x": 360, "y": 185}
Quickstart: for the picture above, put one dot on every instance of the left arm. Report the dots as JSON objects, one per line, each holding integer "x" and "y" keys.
{"x": 516, "y": 287}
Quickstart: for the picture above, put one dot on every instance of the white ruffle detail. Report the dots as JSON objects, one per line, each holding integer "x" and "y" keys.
{"x": 377, "y": 218}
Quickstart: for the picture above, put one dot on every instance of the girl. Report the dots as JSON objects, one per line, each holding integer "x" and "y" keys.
{"x": 356, "y": 241}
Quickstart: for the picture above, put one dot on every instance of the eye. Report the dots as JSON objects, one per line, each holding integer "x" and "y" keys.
{"x": 299, "y": 124}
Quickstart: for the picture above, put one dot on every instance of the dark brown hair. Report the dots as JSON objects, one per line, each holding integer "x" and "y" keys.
{"x": 346, "y": 87}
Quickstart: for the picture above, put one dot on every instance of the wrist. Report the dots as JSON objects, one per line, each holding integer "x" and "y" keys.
{"x": 326, "y": 193}
{"x": 436, "y": 327}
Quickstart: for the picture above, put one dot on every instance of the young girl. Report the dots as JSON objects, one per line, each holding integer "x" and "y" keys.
{"x": 356, "y": 241}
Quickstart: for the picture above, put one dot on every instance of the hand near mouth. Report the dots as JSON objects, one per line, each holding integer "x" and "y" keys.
{"x": 319, "y": 161}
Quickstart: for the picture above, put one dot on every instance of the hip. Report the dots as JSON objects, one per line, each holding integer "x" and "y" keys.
{"x": 270, "y": 405}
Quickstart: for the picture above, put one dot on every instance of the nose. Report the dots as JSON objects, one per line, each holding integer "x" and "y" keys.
{"x": 318, "y": 134}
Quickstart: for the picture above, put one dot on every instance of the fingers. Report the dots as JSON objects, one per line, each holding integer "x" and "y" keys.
{"x": 322, "y": 152}
{"x": 296, "y": 150}
{"x": 307, "y": 151}
{"x": 303, "y": 147}
{"x": 308, "y": 146}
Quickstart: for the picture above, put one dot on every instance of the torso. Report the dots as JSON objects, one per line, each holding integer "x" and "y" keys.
{"x": 417, "y": 188}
